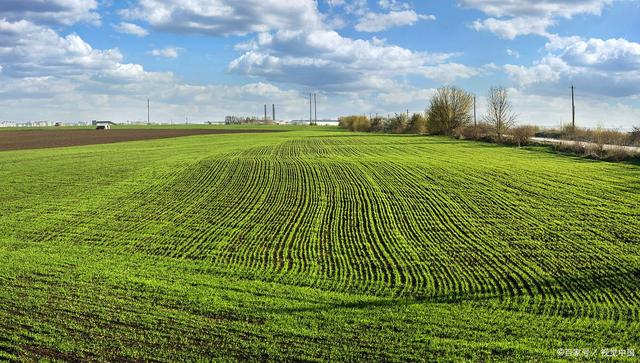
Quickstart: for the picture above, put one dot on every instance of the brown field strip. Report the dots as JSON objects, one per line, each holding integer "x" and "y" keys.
{"x": 39, "y": 139}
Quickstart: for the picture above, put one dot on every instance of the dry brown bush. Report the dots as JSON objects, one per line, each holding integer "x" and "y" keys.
{"x": 355, "y": 123}
{"x": 521, "y": 135}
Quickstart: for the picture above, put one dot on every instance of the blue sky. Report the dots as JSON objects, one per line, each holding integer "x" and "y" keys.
{"x": 204, "y": 59}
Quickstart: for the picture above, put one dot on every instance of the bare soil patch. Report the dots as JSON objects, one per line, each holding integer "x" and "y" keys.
{"x": 40, "y": 139}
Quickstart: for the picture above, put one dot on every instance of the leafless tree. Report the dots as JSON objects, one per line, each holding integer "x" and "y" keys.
{"x": 499, "y": 111}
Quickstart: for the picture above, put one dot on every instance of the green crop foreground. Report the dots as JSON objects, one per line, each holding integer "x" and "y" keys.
{"x": 316, "y": 244}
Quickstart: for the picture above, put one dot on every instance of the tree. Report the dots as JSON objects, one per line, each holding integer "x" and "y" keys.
{"x": 377, "y": 124}
{"x": 499, "y": 111}
{"x": 397, "y": 124}
{"x": 635, "y": 135}
{"x": 450, "y": 108}
{"x": 417, "y": 124}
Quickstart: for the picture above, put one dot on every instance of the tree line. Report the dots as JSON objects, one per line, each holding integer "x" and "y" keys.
{"x": 450, "y": 112}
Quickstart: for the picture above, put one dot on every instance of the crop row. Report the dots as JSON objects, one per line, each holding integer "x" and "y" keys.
{"x": 400, "y": 216}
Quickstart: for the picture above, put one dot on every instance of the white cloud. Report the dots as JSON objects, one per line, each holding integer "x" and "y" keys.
{"x": 223, "y": 17}
{"x": 541, "y": 8}
{"x": 324, "y": 59}
{"x": 168, "y": 52}
{"x": 513, "y": 53}
{"x": 375, "y": 22}
{"x": 599, "y": 67}
{"x": 65, "y": 12}
{"x": 296, "y": 44}
{"x": 510, "y": 19}
{"x": 611, "y": 54}
{"x": 590, "y": 111}
{"x": 513, "y": 27}
{"x": 130, "y": 28}
{"x": 34, "y": 51}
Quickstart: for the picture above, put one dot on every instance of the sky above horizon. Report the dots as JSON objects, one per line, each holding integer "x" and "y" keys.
{"x": 78, "y": 60}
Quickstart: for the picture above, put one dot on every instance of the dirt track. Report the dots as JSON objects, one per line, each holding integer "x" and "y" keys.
{"x": 39, "y": 139}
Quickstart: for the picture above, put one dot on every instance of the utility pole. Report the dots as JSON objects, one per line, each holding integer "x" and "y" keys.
{"x": 475, "y": 122}
{"x": 148, "y": 112}
{"x": 265, "y": 112}
{"x": 273, "y": 109}
{"x": 315, "y": 109}
{"x": 310, "y": 108}
{"x": 573, "y": 107}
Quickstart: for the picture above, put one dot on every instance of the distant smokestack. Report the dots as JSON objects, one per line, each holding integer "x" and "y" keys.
{"x": 274, "y": 111}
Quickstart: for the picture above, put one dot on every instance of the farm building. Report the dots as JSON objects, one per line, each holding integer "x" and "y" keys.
{"x": 102, "y": 125}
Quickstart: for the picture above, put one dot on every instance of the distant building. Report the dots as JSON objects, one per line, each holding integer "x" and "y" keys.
{"x": 320, "y": 122}
{"x": 102, "y": 125}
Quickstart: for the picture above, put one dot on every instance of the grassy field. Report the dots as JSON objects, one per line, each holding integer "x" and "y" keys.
{"x": 316, "y": 244}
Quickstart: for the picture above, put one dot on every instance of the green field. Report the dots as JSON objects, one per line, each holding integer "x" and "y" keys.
{"x": 316, "y": 244}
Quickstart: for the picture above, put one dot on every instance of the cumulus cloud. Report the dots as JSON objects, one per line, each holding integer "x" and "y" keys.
{"x": 296, "y": 44}
{"x": 617, "y": 55}
{"x": 323, "y": 58}
{"x": 223, "y": 17}
{"x": 130, "y": 28}
{"x": 551, "y": 110}
{"x": 510, "y": 19}
{"x": 376, "y": 22}
{"x": 65, "y": 12}
{"x": 601, "y": 67}
{"x": 27, "y": 49}
{"x": 31, "y": 51}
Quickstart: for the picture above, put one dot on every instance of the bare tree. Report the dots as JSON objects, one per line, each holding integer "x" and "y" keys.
{"x": 450, "y": 109}
{"x": 499, "y": 111}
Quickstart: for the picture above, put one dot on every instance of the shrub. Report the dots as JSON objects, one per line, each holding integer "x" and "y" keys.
{"x": 417, "y": 124}
{"x": 465, "y": 132}
{"x": 397, "y": 124}
{"x": 618, "y": 153}
{"x": 355, "y": 123}
{"x": 596, "y": 151}
{"x": 549, "y": 133}
{"x": 450, "y": 108}
{"x": 598, "y": 135}
{"x": 376, "y": 124}
{"x": 522, "y": 135}
{"x": 481, "y": 131}
{"x": 634, "y": 136}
